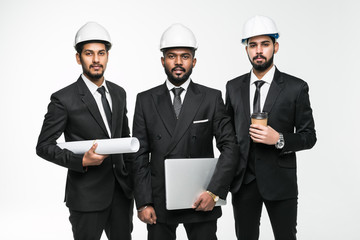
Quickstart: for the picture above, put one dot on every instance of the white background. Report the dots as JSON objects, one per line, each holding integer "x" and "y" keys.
{"x": 318, "y": 43}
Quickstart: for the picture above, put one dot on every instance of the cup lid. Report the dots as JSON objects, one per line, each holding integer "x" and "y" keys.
{"x": 261, "y": 115}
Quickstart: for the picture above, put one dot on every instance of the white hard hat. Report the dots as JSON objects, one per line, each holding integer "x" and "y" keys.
{"x": 257, "y": 26}
{"x": 177, "y": 35}
{"x": 92, "y": 31}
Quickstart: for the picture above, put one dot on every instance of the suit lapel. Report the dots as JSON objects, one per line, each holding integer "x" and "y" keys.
{"x": 245, "y": 96}
{"x": 90, "y": 102}
{"x": 191, "y": 104}
{"x": 115, "y": 99}
{"x": 274, "y": 91}
{"x": 162, "y": 101}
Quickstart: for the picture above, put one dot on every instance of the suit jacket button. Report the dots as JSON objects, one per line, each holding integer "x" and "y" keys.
{"x": 114, "y": 165}
{"x": 158, "y": 137}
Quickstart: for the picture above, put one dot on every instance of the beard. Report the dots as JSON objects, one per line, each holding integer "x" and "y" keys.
{"x": 177, "y": 80}
{"x": 262, "y": 67}
{"x": 95, "y": 76}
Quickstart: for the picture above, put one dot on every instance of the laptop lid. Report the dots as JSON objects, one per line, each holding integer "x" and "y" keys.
{"x": 186, "y": 179}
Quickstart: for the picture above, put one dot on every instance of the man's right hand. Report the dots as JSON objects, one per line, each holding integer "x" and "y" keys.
{"x": 93, "y": 159}
{"x": 147, "y": 215}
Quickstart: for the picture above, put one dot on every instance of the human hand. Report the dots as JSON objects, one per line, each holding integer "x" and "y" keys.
{"x": 147, "y": 215}
{"x": 263, "y": 134}
{"x": 91, "y": 158}
{"x": 204, "y": 202}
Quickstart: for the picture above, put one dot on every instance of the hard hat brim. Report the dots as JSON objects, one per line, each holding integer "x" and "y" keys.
{"x": 274, "y": 35}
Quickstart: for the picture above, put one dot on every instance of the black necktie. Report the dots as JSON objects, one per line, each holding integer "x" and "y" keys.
{"x": 256, "y": 106}
{"x": 106, "y": 105}
{"x": 177, "y": 100}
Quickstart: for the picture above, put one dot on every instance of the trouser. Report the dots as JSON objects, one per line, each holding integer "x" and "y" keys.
{"x": 116, "y": 220}
{"x": 247, "y": 207}
{"x": 194, "y": 231}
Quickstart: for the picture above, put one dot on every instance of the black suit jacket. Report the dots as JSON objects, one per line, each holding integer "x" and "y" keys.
{"x": 74, "y": 112}
{"x": 161, "y": 137}
{"x": 289, "y": 110}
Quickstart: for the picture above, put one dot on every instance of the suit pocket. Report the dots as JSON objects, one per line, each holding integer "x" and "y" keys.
{"x": 200, "y": 140}
{"x": 199, "y": 129}
{"x": 287, "y": 160}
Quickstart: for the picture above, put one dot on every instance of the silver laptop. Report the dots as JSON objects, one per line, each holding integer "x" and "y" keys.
{"x": 186, "y": 179}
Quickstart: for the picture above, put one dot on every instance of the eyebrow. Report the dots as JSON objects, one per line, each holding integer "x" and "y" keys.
{"x": 266, "y": 41}
{"x": 181, "y": 54}
{"x": 89, "y": 50}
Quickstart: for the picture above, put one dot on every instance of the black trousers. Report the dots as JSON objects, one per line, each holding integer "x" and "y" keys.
{"x": 247, "y": 206}
{"x": 194, "y": 231}
{"x": 116, "y": 220}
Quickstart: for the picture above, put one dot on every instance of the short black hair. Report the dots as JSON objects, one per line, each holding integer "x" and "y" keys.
{"x": 79, "y": 47}
{"x": 193, "y": 50}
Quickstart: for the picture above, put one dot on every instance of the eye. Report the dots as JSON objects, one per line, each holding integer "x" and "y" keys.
{"x": 252, "y": 45}
{"x": 170, "y": 56}
{"x": 101, "y": 53}
{"x": 185, "y": 57}
{"x": 88, "y": 53}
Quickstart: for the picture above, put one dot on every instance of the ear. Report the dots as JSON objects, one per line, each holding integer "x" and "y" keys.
{"x": 194, "y": 62}
{"x": 276, "y": 47}
{"x": 163, "y": 61}
{"x": 78, "y": 60}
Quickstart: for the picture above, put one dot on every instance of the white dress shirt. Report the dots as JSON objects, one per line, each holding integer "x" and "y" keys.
{"x": 268, "y": 77}
{"x": 170, "y": 86}
{"x": 93, "y": 89}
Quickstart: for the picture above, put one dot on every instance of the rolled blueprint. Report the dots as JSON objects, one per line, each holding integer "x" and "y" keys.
{"x": 105, "y": 146}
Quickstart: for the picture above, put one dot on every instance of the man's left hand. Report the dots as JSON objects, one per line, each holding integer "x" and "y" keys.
{"x": 263, "y": 134}
{"x": 204, "y": 203}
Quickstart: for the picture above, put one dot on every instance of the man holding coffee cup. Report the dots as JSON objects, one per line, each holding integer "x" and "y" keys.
{"x": 281, "y": 124}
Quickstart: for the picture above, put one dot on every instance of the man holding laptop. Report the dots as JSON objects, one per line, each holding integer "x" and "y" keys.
{"x": 179, "y": 119}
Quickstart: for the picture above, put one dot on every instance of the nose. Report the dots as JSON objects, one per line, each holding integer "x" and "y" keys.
{"x": 95, "y": 58}
{"x": 259, "y": 49}
{"x": 178, "y": 60}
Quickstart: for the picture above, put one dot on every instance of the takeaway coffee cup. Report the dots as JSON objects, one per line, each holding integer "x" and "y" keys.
{"x": 259, "y": 118}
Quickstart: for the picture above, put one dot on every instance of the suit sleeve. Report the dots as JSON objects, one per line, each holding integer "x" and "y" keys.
{"x": 141, "y": 164}
{"x": 304, "y": 136}
{"x": 226, "y": 143}
{"x": 53, "y": 126}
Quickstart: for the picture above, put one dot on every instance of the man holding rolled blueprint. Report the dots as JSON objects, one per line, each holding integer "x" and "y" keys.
{"x": 98, "y": 188}
{"x": 179, "y": 119}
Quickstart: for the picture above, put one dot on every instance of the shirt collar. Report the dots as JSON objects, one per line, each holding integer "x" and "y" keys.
{"x": 92, "y": 86}
{"x": 185, "y": 85}
{"x": 268, "y": 77}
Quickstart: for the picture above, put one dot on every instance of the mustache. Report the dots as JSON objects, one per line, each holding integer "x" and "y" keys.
{"x": 178, "y": 67}
{"x": 96, "y": 65}
{"x": 259, "y": 56}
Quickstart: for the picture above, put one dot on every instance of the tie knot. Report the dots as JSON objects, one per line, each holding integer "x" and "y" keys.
{"x": 177, "y": 91}
{"x": 101, "y": 90}
{"x": 259, "y": 83}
